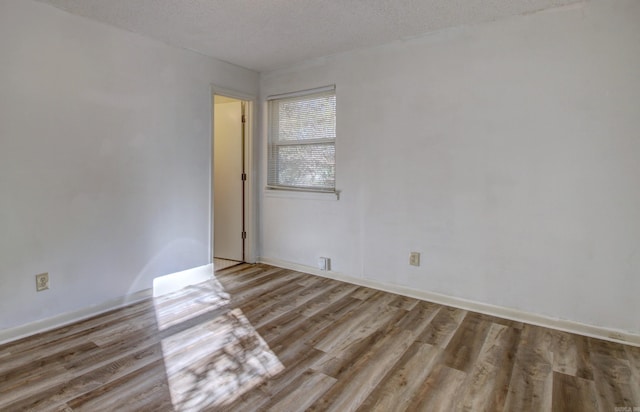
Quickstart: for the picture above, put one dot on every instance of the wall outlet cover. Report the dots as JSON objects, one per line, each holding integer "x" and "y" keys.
{"x": 42, "y": 282}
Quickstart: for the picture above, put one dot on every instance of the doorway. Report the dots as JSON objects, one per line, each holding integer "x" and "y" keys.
{"x": 229, "y": 179}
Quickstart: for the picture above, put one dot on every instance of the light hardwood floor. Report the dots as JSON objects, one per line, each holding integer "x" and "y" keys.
{"x": 263, "y": 338}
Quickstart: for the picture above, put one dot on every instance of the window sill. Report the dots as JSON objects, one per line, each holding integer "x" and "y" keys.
{"x": 300, "y": 194}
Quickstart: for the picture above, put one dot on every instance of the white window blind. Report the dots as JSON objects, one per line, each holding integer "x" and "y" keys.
{"x": 302, "y": 135}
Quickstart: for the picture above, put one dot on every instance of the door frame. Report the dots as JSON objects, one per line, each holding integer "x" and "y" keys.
{"x": 250, "y": 184}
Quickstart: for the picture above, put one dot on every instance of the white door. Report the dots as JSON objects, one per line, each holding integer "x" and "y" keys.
{"x": 228, "y": 196}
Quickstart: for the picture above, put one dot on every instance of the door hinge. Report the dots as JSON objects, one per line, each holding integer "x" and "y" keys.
{"x": 243, "y": 177}
{"x": 244, "y": 118}
{"x": 244, "y": 235}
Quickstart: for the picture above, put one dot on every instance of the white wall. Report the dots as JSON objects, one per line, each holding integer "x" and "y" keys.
{"x": 104, "y": 159}
{"x": 507, "y": 153}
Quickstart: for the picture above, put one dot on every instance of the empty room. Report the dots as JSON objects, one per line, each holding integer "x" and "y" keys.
{"x": 336, "y": 205}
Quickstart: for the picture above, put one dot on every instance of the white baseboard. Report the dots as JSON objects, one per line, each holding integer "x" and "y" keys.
{"x": 8, "y": 335}
{"x": 612, "y": 335}
{"x": 29, "y": 329}
{"x": 161, "y": 285}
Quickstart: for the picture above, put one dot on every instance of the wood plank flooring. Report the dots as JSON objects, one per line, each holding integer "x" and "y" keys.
{"x": 263, "y": 338}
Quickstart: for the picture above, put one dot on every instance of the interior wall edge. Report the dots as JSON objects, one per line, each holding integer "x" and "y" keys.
{"x": 594, "y": 331}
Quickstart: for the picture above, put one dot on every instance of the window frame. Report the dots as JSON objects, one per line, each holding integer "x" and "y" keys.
{"x": 273, "y": 141}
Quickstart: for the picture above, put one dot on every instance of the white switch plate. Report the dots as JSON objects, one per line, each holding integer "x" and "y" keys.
{"x": 414, "y": 259}
{"x": 324, "y": 263}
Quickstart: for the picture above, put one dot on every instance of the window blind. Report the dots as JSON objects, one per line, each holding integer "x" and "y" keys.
{"x": 302, "y": 132}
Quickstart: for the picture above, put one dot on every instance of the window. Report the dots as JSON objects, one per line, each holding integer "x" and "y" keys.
{"x": 302, "y": 141}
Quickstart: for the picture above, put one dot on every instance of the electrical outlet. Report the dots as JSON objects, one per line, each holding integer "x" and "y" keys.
{"x": 42, "y": 282}
{"x": 414, "y": 259}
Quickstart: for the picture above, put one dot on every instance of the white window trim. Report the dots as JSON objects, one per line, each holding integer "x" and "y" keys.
{"x": 301, "y": 194}
{"x": 330, "y": 88}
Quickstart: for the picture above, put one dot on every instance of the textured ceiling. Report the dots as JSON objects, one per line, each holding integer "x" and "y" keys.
{"x": 267, "y": 34}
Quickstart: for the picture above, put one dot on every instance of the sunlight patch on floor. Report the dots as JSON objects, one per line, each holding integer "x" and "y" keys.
{"x": 201, "y": 300}
{"x": 213, "y": 354}
{"x": 176, "y": 281}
